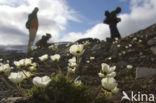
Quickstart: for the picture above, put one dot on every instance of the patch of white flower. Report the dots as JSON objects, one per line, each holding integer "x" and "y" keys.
{"x": 107, "y": 74}
{"x": 72, "y": 65}
{"x": 41, "y": 81}
{"x": 134, "y": 39}
{"x": 126, "y": 47}
{"x": 118, "y": 45}
{"x": 129, "y": 66}
{"x": 5, "y": 68}
{"x": 71, "y": 70}
{"x": 88, "y": 61}
{"x": 130, "y": 45}
{"x": 140, "y": 41}
{"x": 1, "y": 60}
{"x": 92, "y": 58}
{"x": 53, "y": 47}
{"x": 77, "y": 82}
{"x": 33, "y": 67}
{"x": 23, "y": 62}
{"x": 55, "y": 58}
{"x": 107, "y": 71}
{"x": 109, "y": 83}
{"x": 16, "y": 77}
{"x": 43, "y": 58}
{"x": 77, "y": 50}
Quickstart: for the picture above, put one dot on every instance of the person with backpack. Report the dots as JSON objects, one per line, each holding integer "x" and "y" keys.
{"x": 32, "y": 26}
{"x": 112, "y": 20}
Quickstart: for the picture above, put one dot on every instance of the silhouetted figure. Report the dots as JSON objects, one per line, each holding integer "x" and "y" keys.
{"x": 112, "y": 20}
{"x": 32, "y": 26}
{"x": 42, "y": 43}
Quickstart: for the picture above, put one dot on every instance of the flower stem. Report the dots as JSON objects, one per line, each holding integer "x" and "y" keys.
{"x": 3, "y": 79}
{"x": 60, "y": 71}
{"x": 20, "y": 90}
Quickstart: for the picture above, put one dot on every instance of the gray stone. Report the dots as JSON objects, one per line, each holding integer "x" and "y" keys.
{"x": 122, "y": 63}
{"x": 12, "y": 99}
{"x": 153, "y": 49}
{"x": 152, "y": 41}
{"x": 96, "y": 47}
{"x": 142, "y": 72}
{"x": 4, "y": 93}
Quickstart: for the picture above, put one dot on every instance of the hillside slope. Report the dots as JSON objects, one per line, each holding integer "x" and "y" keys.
{"x": 138, "y": 50}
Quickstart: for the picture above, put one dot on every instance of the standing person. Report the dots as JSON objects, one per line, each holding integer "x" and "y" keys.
{"x": 32, "y": 26}
{"x": 112, "y": 20}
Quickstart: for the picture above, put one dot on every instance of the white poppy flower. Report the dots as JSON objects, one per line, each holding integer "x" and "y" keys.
{"x": 111, "y": 75}
{"x": 106, "y": 68}
{"x": 101, "y": 75}
{"x": 129, "y": 66}
{"x": 55, "y": 58}
{"x": 110, "y": 58}
{"x": 43, "y": 58}
{"x": 22, "y": 62}
{"x": 115, "y": 90}
{"x": 73, "y": 60}
{"x": 41, "y": 81}
{"x": 32, "y": 68}
{"x": 5, "y": 68}
{"x": 53, "y": 47}
{"x": 1, "y": 60}
{"x": 92, "y": 58}
{"x": 134, "y": 39}
{"x": 34, "y": 64}
{"x": 71, "y": 70}
{"x": 118, "y": 45}
{"x": 130, "y": 45}
{"x": 77, "y": 49}
{"x": 27, "y": 62}
{"x": 72, "y": 64}
{"x": 108, "y": 83}
{"x": 17, "y": 64}
{"x": 87, "y": 61}
{"x": 16, "y": 77}
{"x": 140, "y": 41}
{"x": 126, "y": 47}
{"x": 77, "y": 82}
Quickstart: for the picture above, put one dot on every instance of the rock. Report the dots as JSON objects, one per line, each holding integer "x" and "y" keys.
{"x": 96, "y": 47}
{"x": 122, "y": 63}
{"x": 87, "y": 39}
{"x": 153, "y": 49}
{"x": 4, "y": 93}
{"x": 142, "y": 72}
{"x": 152, "y": 41}
{"x": 114, "y": 50}
{"x": 12, "y": 99}
{"x": 109, "y": 39}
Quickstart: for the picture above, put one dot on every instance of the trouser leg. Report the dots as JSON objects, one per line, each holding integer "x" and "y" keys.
{"x": 117, "y": 32}
{"x": 114, "y": 31}
{"x": 32, "y": 35}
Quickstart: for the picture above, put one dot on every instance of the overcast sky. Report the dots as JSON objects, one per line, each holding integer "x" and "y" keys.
{"x": 69, "y": 20}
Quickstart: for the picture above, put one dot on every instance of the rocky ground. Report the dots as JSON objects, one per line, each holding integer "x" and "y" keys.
{"x": 138, "y": 50}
